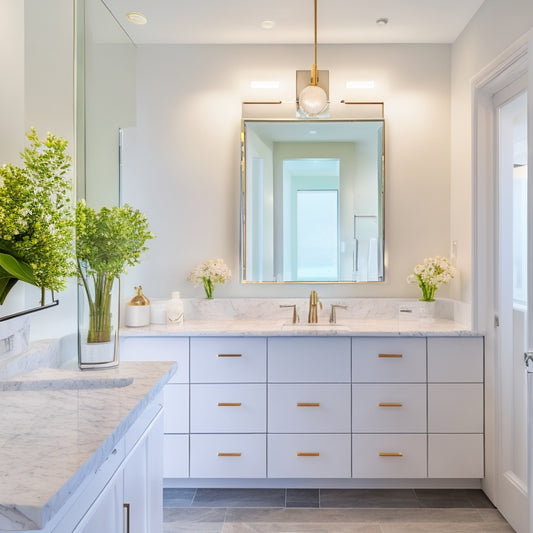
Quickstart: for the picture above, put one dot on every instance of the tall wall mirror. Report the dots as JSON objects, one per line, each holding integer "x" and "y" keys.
{"x": 312, "y": 200}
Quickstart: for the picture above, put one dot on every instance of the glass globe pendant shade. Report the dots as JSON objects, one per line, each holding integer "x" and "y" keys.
{"x": 313, "y": 100}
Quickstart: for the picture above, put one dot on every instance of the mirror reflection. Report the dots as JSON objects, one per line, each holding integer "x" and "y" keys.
{"x": 312, "y": 200}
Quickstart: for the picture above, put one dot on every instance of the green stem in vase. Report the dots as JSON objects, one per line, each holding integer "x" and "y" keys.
{"x": 209, "y": 287}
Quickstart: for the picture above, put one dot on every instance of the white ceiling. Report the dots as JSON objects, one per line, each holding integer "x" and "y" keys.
{"x": 339, "y": 21}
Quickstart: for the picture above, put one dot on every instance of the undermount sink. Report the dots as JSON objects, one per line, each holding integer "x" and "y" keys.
{"x": 310, "y": 326}
{"x": 63, "y": 384}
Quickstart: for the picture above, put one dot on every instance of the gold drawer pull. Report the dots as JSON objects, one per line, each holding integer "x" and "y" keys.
{"x": 229, "y": 454}
{"x": 384, "y": 404}
{"x": 308, "y": 454}
{"x": 304, "y": 404}
{"x": 390, "y": 454}
{"x": 229, "y": 404}
{"x": 390, "y": 355}
{"x": 230, "y": 355}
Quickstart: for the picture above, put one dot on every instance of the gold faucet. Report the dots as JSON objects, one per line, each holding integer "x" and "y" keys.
{"x": 313, "y": 302}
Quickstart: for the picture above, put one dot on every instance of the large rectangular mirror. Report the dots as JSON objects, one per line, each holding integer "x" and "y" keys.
{"x": 312, "y": 200}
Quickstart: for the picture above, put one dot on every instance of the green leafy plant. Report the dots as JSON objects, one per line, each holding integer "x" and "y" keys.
{"x": 37, "y": 217}
{"x": 107, "y": 242}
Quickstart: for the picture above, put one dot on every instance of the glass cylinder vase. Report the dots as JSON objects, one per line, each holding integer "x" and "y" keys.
{"x": 427, "y": 310}
{"x": 98, "y": 323}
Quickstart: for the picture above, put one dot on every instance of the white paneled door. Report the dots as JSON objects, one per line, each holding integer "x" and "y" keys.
{"x": 511, "y": 299}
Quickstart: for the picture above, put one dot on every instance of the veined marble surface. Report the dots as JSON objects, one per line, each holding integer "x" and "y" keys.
{"x": 264, "y": 316}
{"x": 273, "y": 328}
{"x": 50, "y": 439}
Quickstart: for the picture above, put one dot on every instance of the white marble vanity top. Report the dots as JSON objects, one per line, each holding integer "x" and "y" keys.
{"x": 271, "y": 328}
{"x": 53, "y": 433}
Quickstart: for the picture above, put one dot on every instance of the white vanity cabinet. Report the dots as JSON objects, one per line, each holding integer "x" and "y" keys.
{"x": 389, "y": 410}
{"x": 176, "y": 395}
{"x": 311, "y": 407}
{"x": 455, "y": 407}
{"x": 309, "y": 420}
{"x": 228, "y": 407}
{"x": 126, "y": 492}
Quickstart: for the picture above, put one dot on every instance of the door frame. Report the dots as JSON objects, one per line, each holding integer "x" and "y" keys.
{"x": 507, "y": 68}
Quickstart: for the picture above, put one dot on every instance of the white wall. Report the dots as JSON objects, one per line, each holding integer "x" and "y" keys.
{"x": 495, "y": 27}
{"x": 185, "y": 176}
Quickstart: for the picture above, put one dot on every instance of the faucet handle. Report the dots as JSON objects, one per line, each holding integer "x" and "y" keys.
{"x": 295, "y": 317}
{"x": 333, "y": 314}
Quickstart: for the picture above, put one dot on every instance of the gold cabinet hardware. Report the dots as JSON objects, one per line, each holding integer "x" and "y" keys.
{"x": 126, "y": 517}
{"x": 306, "y": 404}
{"x": 308, "y": 454}
{"x": 230, "y": 355}
{"x": 384, "y": 404}
{"x": 229, "y": 454}
{"x": 390, "y": 355}
{"x": 390, "y": 454}
{"x": 229, "y": 404}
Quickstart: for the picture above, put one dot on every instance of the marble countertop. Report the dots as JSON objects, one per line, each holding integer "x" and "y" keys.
{"x": 271, "y": 328}
{"x": 56, "y": 425}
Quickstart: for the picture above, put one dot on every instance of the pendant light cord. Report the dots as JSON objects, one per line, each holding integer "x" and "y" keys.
{"x": 316, "y": 46}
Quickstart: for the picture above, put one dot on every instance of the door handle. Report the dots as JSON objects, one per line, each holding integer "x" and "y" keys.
{"x": 528, "y": 358}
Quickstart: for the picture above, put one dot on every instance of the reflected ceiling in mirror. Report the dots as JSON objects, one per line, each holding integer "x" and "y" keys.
{"x": 312, "y": 201}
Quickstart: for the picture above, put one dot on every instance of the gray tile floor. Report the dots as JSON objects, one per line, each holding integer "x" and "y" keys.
{"x": 330, "y": 511}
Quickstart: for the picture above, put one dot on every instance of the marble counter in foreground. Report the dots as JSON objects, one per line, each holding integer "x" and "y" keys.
{"x": 273, "y": 328}
{"x": 51, "y": 439}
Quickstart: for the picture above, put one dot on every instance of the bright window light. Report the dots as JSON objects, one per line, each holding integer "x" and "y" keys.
{"x": 264, "y": 84}
{"x": 360, "y": 84}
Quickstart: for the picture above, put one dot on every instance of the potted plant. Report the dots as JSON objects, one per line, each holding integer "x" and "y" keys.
{"x": 429, "y": 275}
{"x": 107, "y": 242}
{"x": 37, "y": 217}
{"x": 209, "y": 273}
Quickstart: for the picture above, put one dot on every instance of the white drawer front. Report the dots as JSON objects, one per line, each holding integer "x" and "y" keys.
{"x": 176, "y": 414}
{"x": 388, "y": 360}
{"x": 309, "y": 456}
{"x": 389, "y": 408}
{"x": 389, "y": 456}
{"x": 158, "y": 349}
{"x": 228, "y": 360}
{"x": 455, "y": 408}
{"x": 224, "y": 456}
{"x": 228, "y": 408}
{"x": 455, "y": 456}
{"x": 455, "y": 359}
{"x": 316, "y": 408}
{"x": 176, "y": 456}
{"x": 311, "y": 360}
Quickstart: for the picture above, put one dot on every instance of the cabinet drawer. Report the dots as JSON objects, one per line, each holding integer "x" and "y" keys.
{"x": 309, "y": 456}
{"x": 316, "y": 408}
{"x": 225, "y": 456}
{"x": 312, "y": 359}
{"x": 158, "y": 349}
{"x": 176, "y": 414}
{"x": 389, "y": 456}
{"x": 388, "y": 360}
{"x": 228, "y": 408}
{"x": 389, "y": 408}
{"x": 228, "y": 360}
{"x": 455, "y": 408}
{"x": 455, "y": 456}
{"x": 176, "y": 456}
{"x": 457, "y": 359}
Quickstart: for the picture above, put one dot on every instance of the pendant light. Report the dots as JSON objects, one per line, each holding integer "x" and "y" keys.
{"x": 313, "y": 100}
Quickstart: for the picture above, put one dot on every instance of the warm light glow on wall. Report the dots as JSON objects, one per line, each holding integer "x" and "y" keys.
{"x": 264, "y": 84}
{"x": 360, "y": 84}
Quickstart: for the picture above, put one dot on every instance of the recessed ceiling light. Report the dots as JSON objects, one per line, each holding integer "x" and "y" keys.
{"x": 360, "y": 84}
{"x": 267, "y": 24}
{"x": 382, "y": 21}
{"x": 274, "y": 84}
{"x": 136, "y": 18}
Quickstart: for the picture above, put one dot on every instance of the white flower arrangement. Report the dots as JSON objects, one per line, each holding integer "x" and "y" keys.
{"x": 209, "y": 273}
{"x": 429, "y": 275}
